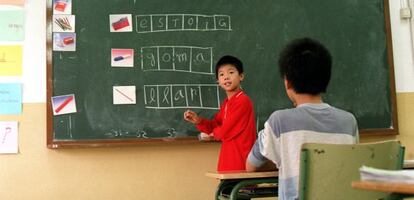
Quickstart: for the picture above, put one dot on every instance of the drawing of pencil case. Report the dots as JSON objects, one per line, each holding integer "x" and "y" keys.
{"x": 123, "y": 22}
{"x": 60, "y": 6}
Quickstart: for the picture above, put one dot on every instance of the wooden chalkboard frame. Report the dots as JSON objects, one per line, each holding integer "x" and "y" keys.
{"x": 52, "y": 143}
{"x": 394, "y": 129}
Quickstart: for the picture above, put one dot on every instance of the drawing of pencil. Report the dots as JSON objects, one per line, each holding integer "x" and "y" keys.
{"x": 66, "y": 20}
{"x": 63, "y": 23}
{"x": 58, "y": 23}
{"x": 126, "y": 96}
{"x": 64, "y": 103}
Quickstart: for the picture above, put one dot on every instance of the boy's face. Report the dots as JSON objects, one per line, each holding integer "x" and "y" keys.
{"x": 229, "y": 78}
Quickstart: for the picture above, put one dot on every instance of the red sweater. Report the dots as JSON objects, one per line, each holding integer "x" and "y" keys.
{"x": 234, "y": 125}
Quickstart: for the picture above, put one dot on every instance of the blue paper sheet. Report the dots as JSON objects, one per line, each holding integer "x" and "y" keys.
{"x": 10, "y": 98}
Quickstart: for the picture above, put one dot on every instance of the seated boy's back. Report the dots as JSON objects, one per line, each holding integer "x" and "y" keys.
{"x": 305, "y": 66}
{"x": 286, "y": 130}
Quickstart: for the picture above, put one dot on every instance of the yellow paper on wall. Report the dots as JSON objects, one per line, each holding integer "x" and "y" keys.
{"x": 11, "y": 60}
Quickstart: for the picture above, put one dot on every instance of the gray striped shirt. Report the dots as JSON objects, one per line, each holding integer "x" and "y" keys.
{"x": 286, "y": 130}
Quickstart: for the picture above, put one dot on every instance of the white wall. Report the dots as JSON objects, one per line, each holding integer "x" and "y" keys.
{"x": 34, "y": 62}
{"x": 34, "y": 54}
{"x": 402, "y": 48}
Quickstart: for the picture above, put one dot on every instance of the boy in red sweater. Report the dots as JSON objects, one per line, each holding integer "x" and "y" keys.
{"x": 234, "y": 124}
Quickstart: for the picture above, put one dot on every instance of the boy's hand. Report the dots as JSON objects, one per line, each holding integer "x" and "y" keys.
{"x": 192, "y": 117}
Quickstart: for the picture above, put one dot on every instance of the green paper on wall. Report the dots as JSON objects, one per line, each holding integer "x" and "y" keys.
{"x": 12, "y": 25}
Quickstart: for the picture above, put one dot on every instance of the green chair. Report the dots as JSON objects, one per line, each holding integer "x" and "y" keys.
{"x": 327, "y": 170}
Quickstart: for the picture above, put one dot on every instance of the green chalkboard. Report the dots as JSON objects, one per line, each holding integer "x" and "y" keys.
{"x": 176, "y": 44}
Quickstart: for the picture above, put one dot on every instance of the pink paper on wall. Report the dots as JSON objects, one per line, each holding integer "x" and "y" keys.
{"x": 12, "y": 2}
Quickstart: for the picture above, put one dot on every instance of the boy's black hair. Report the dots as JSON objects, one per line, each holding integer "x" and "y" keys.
{"x": 229, "y": 60}
{"x": 306, "y": 64}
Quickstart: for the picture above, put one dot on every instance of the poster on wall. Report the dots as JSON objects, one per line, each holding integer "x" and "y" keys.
{"x": 10, "y": 98}
{"x": 12, "y": 25}
{"x": 11, "y": 60}
{"x": 9, "y": 137}
{"x": 12, "y": 2}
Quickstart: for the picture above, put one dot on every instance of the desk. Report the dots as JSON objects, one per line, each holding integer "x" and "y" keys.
{"x": 232, "y": 182}
{"x": 398, "y": 188}
{"x": 408, "y": 164}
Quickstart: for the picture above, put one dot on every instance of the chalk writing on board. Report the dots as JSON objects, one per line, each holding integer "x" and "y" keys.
{"x": 131, "y": 134}
{"x": 177, "y": 58}
{"x": 182, "y": 22}
{"x": 174, "y": 96}
{"x": 172, "y": 133}
{"x": 67, "y": 125}
{"x": 70, "y": 122}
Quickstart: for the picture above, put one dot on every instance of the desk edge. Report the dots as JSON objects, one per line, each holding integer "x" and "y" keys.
{"x": 241, "y": 175}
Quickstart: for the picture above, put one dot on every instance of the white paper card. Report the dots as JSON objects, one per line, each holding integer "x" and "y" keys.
{"x": 8, "y": 137}
{"x": 124, "y": 95}
{"x": 120, "y": 23}
{"x": 64, "y": 23}
{"x": 64, "y": 104}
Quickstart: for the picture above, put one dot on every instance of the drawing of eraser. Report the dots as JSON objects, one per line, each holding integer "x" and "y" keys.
{"x": 60, "y": 6}
{"x": 118, "y": 58}
{"x": 68, "y": 40}
{"x": 123, "y": 22}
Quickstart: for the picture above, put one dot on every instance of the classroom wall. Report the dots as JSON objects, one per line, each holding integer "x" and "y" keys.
{"x": 173, "y": 171}
{"x": 405, "y": 103}
{"x": 404, "y": 75}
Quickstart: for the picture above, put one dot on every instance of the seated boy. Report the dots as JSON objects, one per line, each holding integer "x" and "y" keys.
{"x": 305, "y": 66}
{"x": 234, "y": 125}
